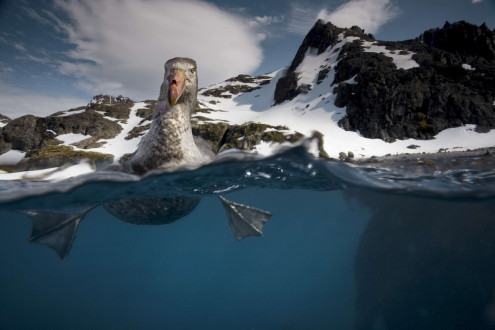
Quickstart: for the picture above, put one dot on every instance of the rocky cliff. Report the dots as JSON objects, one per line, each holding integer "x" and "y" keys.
{"x": 452, "y": 84}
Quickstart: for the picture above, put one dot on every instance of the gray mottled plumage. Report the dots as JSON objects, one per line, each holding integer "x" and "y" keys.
{"x": 169, "y": 142}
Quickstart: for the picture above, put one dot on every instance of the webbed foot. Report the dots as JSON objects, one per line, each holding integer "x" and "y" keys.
{"x": 245, "y": 220}
{"x": 55, "y": 230}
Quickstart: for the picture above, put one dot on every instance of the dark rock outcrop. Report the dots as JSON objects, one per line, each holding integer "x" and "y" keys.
{"x": 87, "y": 123}
{"x": 228, "y": 90}
{"x": 108, "y": 99}
{"x": 453, "y": 85}
{"x": 37, "y": 136}
{"x": 320, "y": 37}
{"x": 390, "y": 103}
{"x": 26, "y": 133}
{"x": 30, "y": 132}
{"x": 462, "y": 39}
{"x": 211, "y": 132}
{"x": 247, "y": 79}
{"x": 247, "y": 136}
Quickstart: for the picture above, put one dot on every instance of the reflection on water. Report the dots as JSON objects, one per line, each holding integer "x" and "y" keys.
{"x": 425, "y": 263}
{"x": 57, "y": 230}
{"x": 151, "y": 211}
{"x": 346, "y": 248}
{"x": 192, "y": 273}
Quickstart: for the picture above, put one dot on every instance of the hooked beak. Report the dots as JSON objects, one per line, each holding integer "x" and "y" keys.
{"x": 177, "y": 84}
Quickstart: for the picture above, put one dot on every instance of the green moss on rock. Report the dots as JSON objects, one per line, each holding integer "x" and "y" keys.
{"x": 247, "y": 136}
{"x": 55, "y": 156}
{"x": 211, "y": 132}
{"x": 89, "y": 143}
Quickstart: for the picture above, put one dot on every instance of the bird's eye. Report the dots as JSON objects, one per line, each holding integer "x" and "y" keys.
{"x": 193, "y": 71}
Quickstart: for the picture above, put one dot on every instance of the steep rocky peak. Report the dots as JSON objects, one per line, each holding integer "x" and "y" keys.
{"x": 321, "y": 36}
{"x": 462, "y": 38}
{"x": 108, "y": 99}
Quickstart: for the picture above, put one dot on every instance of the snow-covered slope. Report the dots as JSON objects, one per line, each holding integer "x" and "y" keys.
{"x": 316, "y": 111}
{"x": 119, "y": 145}
{"x": 245, "y": 99}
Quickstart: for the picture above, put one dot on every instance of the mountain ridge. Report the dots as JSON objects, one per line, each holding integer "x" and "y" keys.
{"x": 451, "y": 86}
{"x": 342, "y": 83}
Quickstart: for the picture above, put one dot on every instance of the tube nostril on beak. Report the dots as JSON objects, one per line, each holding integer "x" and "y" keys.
{"x": 174, "y": 82}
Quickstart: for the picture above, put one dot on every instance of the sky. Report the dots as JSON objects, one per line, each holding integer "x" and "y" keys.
{"x": 57, "y": 54}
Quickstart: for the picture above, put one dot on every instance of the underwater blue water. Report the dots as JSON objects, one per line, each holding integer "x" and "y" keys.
{"x": 347, "y": 248}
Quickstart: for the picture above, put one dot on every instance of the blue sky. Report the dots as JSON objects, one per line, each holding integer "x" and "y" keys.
{"x": 57, "y": 54}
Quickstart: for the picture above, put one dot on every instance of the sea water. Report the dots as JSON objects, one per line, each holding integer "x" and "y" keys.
{"x": 348, "y": 247}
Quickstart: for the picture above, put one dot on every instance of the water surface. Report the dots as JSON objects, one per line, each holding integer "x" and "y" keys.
{"x": 347, "y": 248}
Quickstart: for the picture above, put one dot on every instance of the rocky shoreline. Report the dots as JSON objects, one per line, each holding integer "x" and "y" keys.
{"x": 429, "y": 163}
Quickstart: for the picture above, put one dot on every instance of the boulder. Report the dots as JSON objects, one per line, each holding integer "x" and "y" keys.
{"x": 26, "y": 133}
{"x": 89, "y": 122}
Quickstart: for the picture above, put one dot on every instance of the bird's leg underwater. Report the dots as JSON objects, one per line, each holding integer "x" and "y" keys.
{"x": 245, "y": 220}
{"x": 55, "y": 230}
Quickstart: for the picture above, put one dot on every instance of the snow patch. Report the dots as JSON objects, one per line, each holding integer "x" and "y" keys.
{"x": 26, "y": 175}
{"x": 11, "y": 157}
{"x": 265, "y": 148}
{"x": 119, "y": 146}
{"x": 71, "y": 138}
{"x": 310, "y": 66}
{"x": 466, "y": 66}
{"x": 70, "y": 113}
{"x": 53, "y": 174}
{"x": 401, "y": 61}
{"x": 69, "y": 172}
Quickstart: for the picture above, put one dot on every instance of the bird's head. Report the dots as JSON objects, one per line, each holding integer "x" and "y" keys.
{"x": 180, "y": 84}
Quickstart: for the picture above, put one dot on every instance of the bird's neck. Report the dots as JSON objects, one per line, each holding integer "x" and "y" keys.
{"x": 175, "y": 124}
{"x": 175, "y": 133}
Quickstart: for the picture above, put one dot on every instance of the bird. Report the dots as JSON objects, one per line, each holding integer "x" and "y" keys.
{"x": 169, "y": 142}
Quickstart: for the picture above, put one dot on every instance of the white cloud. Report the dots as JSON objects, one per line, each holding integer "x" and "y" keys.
{"x": 266, "y": 27}
{"x": 476, "y": 1}
{"x": 367, "y": 14}
{"x": 34, "y": 15}
{"x": 14, "y": 105}
{"x": 121, "y": 45}
{"x": 301, "y": 19}
{"x": 266, "y": 20}
{"x": 19, "y": 46}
